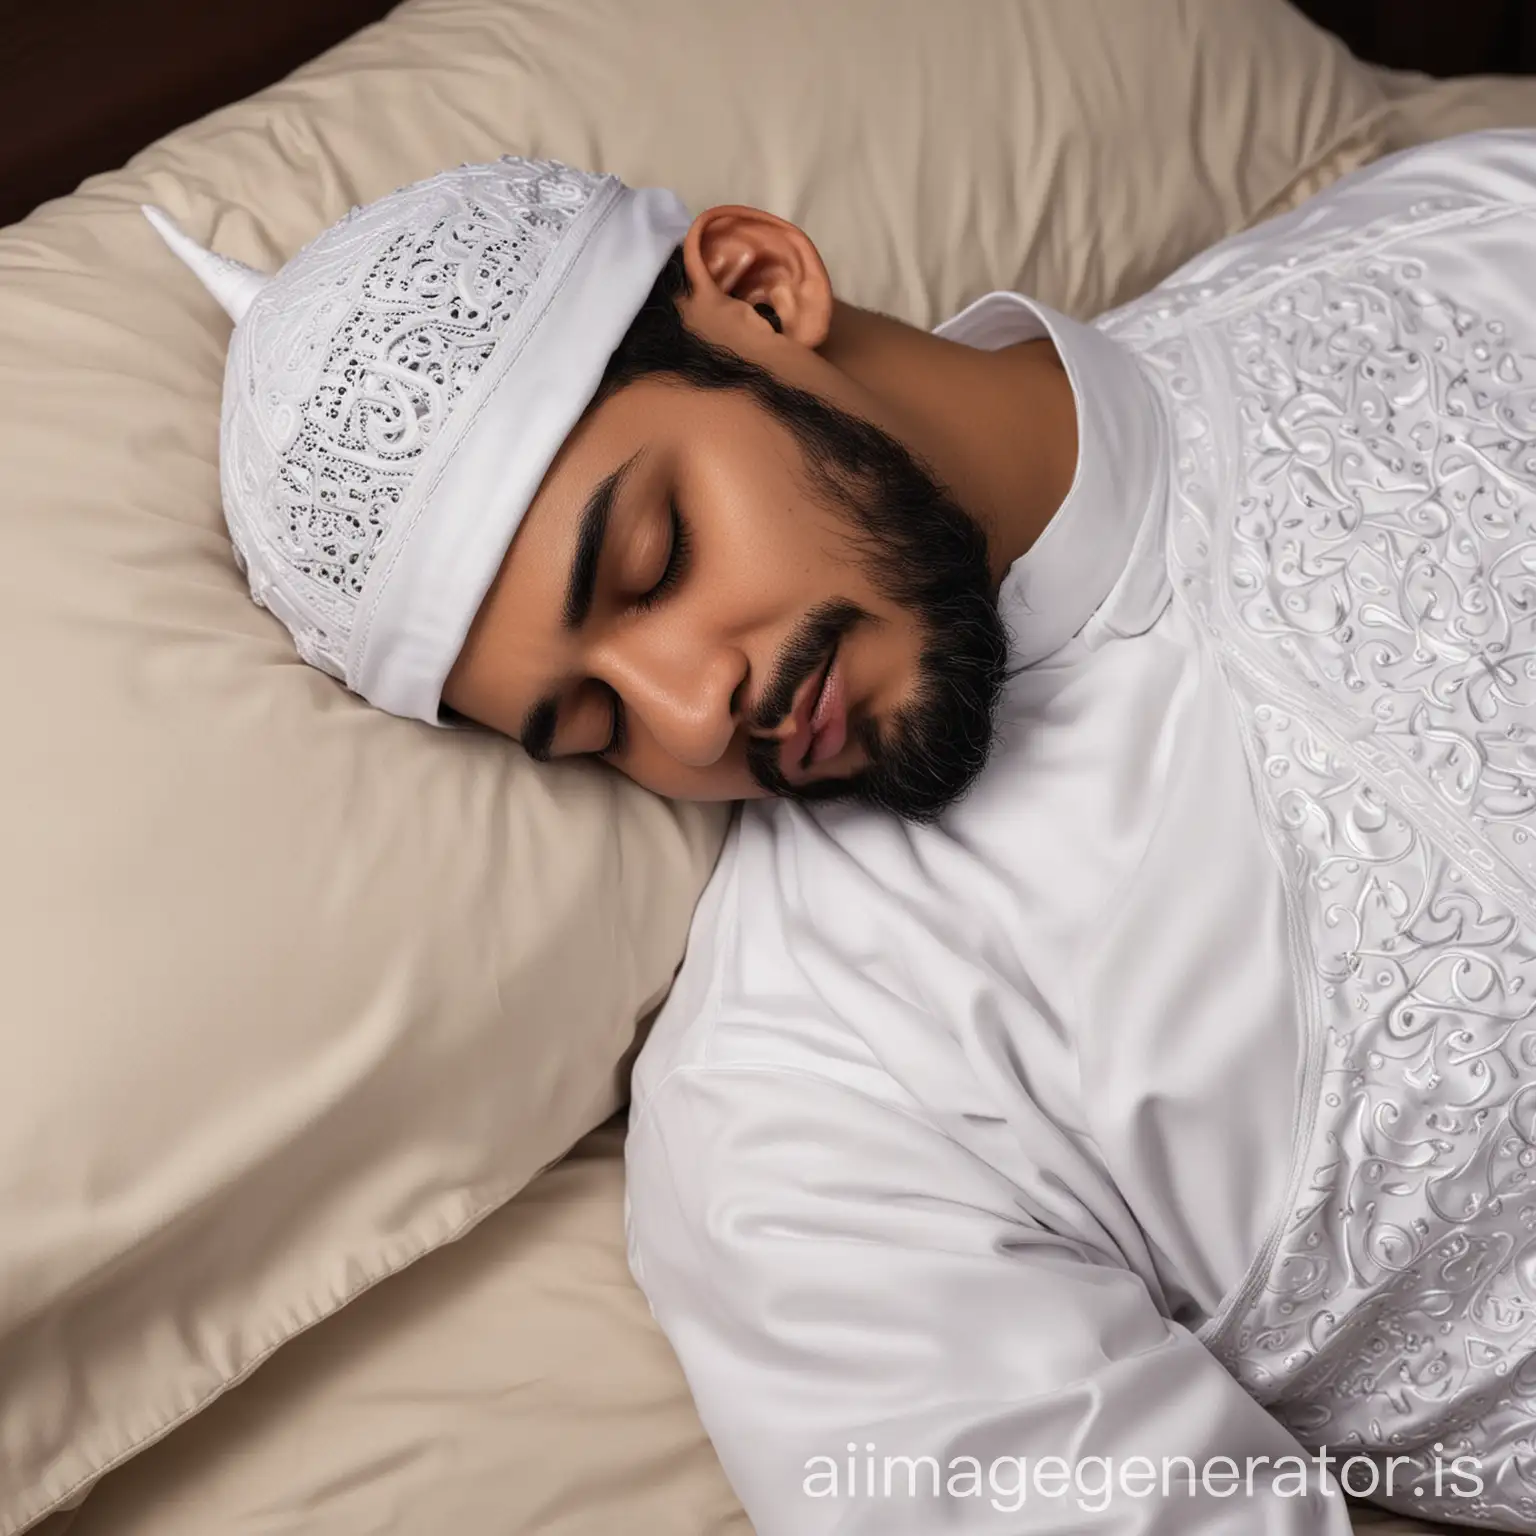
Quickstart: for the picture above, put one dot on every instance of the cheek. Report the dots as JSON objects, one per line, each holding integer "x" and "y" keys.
{"x": 759, "y": 517}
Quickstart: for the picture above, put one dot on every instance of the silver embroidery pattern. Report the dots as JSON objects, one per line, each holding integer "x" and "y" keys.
{"x": 1362, "y": 555}
{"x": 343, "y": 373}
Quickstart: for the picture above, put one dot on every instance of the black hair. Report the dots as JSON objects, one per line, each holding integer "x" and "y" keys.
{"x": 658, "y": 341}
{"x": 844, "y": 454}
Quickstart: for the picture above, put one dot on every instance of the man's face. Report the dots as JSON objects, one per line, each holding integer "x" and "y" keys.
{"x": 695, "y": 599}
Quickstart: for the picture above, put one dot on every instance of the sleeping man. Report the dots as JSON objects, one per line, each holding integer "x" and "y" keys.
{"x": 1100, "y": 1094}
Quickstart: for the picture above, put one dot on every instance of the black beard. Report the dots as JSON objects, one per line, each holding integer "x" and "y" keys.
{"x": 925, "y": 554}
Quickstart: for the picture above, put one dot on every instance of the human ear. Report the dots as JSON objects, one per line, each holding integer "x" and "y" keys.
{"x": 739, "y": 258}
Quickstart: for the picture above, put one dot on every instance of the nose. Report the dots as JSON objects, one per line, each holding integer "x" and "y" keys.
{"x": 686, "y": 694}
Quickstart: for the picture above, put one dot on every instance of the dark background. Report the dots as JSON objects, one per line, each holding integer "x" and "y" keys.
{"x": 84, "y": 84}
{"x": 1441, "y": 37}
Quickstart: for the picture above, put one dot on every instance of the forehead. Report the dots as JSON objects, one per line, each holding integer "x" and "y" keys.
{"x": 517, "y": 644}
{"x": 669, "y": 428}
{"x": 631, "y": 428}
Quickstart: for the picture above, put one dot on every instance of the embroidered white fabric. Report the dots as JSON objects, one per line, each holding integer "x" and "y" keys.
{"x": 1372, "y": 595}
{"x": 348, "y": 363}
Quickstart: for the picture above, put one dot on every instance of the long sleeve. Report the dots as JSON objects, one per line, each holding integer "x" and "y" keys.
{"x": 843, "y": 1284}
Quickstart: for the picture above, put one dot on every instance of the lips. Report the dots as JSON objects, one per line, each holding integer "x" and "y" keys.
{"x": 820, "y": 720}
{"x": 829, "y": 720}
{"x": 796, "y": 747}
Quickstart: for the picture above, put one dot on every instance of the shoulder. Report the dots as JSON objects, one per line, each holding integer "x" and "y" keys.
{"x": 785, "y": 924}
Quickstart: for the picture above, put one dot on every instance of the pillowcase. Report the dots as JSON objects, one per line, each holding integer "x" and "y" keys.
{"x": 1078, "y": 152}
{"x": 510, "y": 1382}
{"x": 1421, "y": 107}
{"x": 292, "y": 992}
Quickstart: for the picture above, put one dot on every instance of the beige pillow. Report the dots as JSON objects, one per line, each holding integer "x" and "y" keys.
{"x": 510, "y": 1383}
{"x": 1420, "y": 107}
{"x": 1080, "y": 151}
{"x": 293, "y": 992}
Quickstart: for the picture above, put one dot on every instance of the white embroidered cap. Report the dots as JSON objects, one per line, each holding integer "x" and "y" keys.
{"x": 394, "y": 395}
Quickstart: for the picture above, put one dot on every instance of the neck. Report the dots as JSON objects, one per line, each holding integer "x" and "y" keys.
{"x": 999, "y": 429}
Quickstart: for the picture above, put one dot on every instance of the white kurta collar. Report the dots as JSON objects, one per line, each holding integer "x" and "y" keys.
{"x": 1052, "y": 590}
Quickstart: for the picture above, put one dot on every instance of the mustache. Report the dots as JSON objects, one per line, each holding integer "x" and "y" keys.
{"x": 813, "y": 638}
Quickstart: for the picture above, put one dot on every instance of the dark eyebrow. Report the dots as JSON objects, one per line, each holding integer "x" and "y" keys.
{"x": 537, "y": 734}
{"x": 590, "y": 533}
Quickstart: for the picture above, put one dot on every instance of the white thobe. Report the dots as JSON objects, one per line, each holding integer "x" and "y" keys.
{"x": 1175, "y": 1095}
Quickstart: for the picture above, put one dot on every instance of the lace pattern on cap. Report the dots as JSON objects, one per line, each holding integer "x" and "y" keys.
{"x": 349, "y": 362}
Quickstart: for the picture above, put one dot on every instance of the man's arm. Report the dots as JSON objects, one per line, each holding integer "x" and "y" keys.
{"x": 844, "y": 1283}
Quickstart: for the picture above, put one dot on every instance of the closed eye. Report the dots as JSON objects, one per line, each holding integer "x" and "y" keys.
{"x": 676, "y": 568}
{"x": 677, "y": 562}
